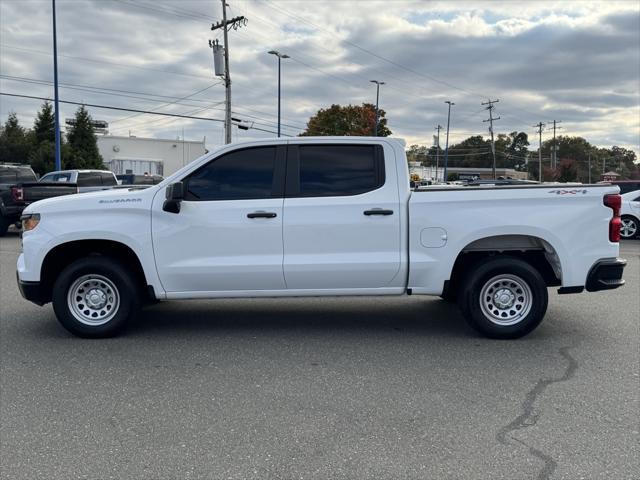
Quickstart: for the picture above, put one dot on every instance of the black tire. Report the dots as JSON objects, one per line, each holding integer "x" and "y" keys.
{"x": 633, "y": 226}
{"x": 4, "y": 225}
{"x": 449, "y": 296}
{"x": 97, "y": 273}
{"x": 512, "y": 281}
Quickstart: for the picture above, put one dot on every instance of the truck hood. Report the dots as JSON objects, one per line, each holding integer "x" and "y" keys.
{"x": 93, "y": 200}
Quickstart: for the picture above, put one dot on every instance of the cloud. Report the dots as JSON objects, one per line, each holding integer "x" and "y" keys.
{"x": 578, "y": 62}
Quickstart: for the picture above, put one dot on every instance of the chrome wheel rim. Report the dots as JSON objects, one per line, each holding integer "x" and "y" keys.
{"x": 93, "y": 299}
{"x": 628, "y": 228}
{"x": 505, "y": 299}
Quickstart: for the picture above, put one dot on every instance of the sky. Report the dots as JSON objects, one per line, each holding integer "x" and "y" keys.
{"x": 577, "y": 62}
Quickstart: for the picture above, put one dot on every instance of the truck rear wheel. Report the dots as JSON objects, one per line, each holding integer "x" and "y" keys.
{"x": 504, "y": 298}
{"x": 94, "y": 297}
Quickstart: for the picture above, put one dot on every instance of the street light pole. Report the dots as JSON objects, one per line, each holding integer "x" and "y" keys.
{"x": 375, "y": 130}
{"x": 58, "y": 163}
{"x": 446, "y": 148}
{"x": 280, "y": 57}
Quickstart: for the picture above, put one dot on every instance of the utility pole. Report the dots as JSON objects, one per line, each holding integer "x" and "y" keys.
{"x": 234, "y": 23}
{"x": 490, "y": 107}
{"x": 589, "y": 168}
{"x": 375, "y": 130}
{"x": 438, "y": 128}
{"x": 540, "y": 126}
{"x": 554, "y": 154}
{"x": 446, "y": 148}
{"x": 58, "y": 162}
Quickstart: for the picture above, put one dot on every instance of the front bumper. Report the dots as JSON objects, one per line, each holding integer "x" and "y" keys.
{"x": 33, "y": 291}
{"x": 606, "y": 275}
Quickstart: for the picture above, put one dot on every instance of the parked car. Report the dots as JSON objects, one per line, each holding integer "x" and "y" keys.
{"x": 320, "y": 216}
{"x": 630, "y": 214}
{"x": 86, "y": 180}
{"x": 135, "y": 179}
{"x": 10, "y": 207}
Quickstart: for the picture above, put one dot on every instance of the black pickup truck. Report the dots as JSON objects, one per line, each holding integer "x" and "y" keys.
{"x": 19, "y": 187}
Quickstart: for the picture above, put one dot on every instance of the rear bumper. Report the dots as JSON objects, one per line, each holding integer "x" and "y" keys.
{"x": 606, "y": 275}
{"x": 32, "y": 291}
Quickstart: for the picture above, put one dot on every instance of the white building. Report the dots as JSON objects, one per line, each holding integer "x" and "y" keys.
{"x": 147, "y": 155}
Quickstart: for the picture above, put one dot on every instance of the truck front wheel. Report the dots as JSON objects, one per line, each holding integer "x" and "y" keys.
{"x": 504, "y": 298}
{"x": 94, "y": 297}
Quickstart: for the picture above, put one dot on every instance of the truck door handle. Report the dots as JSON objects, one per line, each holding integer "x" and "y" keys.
{"x": 261, "y": 215}
{"x": 378, "y": 211}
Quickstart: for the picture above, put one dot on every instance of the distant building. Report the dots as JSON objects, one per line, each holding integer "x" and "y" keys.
{"x": 610, "y": 177}
{"x": 147, "y": 155}
{"x": 429, "y": 173}
{"x": 486, "y": 173}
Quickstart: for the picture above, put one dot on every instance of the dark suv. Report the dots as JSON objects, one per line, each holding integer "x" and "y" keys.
{"x": 10, "y": 206}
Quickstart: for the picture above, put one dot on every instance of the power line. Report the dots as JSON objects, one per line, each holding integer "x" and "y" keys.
{"x": 110, "y": 107}
{"x": 112, "y": 91}
{"x": 177, "y": 100}
{"x": 105, "y": 62}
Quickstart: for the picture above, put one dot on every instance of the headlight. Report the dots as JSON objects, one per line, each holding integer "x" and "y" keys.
{"x": 30, "y": 221}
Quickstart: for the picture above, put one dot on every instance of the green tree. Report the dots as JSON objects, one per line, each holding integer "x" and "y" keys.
{"x": 473, "y": 152}
{"x": 14, "y": 141}
{"x": 350, "y": 120}
{"x": 82, "y": 142}
{"x": 417, "y": 153}
{"x": 42, "y": 151}
{"x": 512, "y": 150}
{"x": 44, "y": 127}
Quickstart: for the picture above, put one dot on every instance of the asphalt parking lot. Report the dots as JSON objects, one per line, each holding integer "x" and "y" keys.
{"x": 322, "y": 388}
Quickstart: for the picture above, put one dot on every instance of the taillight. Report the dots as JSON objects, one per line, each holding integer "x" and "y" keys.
{"x": 17, "y": 194}
{"x": 614, "y": 202}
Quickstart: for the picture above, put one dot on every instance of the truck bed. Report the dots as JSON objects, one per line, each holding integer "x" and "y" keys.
{"x": 32, "y": 192}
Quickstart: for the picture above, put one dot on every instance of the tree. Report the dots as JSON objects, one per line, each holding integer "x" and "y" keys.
{"x": 567, "y": 170}
{"x": 417, "y": 153}
{"x": 512, "y": 150}
{"x": 473, "y": 152}
{"x": 83, "y": 144}
{"x": 42, "y": 149}
{"x": 44, "y": 127}
{"x": 14, "y": 146}
{"x": 350, "y": 120}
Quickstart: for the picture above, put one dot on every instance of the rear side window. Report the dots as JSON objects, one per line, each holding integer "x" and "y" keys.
{"x": 10, "y": 175}
{"x": 26, "y": 175}
{"x": 242, "y": 174}
{"x": 89, "y": 179}
{"x": 339, "y": 170}
{"x": 108, "y": 179}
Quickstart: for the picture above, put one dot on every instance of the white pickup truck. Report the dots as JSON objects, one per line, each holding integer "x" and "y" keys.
{"x": 320, "y": 216}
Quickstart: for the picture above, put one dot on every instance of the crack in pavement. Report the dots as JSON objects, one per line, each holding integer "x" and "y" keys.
{"x": 529, "y": 416}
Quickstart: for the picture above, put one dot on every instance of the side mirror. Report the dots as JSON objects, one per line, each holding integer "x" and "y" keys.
{"x": 174, "y": 195}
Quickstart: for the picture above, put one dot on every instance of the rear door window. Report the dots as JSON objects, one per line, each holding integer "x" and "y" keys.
{"x": 89, "y": 179}
{"x": 337, "y": 170}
